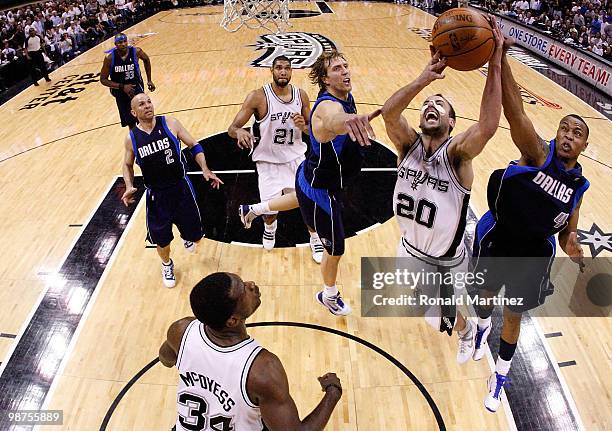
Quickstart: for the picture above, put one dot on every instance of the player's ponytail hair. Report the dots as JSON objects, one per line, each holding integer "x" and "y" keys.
{"x": 319, "y": 68}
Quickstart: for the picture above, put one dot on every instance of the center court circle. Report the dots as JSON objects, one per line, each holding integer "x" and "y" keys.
{"x": 368, "y": 202}
{"x": 381, "y": 352}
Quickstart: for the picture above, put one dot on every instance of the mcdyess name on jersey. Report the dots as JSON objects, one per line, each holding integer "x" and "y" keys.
{"x": 192, "y": 379}
{"x": 424, "y": 300}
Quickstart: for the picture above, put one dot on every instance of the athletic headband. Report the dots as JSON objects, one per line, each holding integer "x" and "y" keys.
{"x": 120, "y": 38}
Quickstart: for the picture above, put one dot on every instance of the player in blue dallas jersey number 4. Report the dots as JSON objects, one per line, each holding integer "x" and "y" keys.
{"x": 530, "y": 201}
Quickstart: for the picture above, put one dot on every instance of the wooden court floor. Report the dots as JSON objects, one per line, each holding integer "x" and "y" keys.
{"x": 57, "y": 160}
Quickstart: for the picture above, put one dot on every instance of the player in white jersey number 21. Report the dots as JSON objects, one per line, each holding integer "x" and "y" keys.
{"x": 282, "y": 112}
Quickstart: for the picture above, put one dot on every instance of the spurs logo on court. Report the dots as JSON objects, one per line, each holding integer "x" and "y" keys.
{"x": 596, "y": 239}
{"x": 302, "y": 48}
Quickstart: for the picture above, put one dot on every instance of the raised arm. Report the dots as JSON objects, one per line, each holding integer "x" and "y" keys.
{"x": 330, "y": 120}
{"x": 470, "y": 143}
{"x": 168, "y": 351}
{"x": 147, "y": 64}
{"x": 533, "y": 148}
{"x": 196, "y": 150}
{"x": 248, "y": 109}
{"x": 267, "y": 384}
{"x": 400, "y": 132}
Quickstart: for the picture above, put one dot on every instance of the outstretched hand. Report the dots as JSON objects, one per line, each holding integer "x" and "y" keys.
{"x": 435, "y": 68}
{"x": 499, "y": 39}
{"x": 214, "y": 180}
{"x": 359, "y": 127}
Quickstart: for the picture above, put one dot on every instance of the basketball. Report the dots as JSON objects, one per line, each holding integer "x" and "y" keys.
{"x": 464, "y": 37}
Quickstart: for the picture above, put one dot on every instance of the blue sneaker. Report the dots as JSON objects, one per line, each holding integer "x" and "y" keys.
{"x": 334, "y": 304}
{"x": 481, "y": 343}
{"x": 246, "y": 215}
{"x": 496, "y": 383}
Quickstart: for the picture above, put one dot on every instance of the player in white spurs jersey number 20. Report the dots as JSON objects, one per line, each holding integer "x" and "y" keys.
{"x": 433, "y": 183}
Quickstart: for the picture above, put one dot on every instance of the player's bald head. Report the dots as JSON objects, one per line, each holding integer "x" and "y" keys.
{"x": 142, "y": 107}
{"x": 139, "y": 98}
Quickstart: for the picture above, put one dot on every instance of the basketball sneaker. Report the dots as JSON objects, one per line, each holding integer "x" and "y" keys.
{"x": 481, "y": 342}
{"x": 334, "y": 304}
{"x": 246, "y": 215}
{"x": 269, "y": 235}
{"x": 496, "y": 388}
{"x": 168, "y": 275}
{"x": 190, "y": 246}
{"x": 317, "y": 248}
{"x": 466, "y": 343}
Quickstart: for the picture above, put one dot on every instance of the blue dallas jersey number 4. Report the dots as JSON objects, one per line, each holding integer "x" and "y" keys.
{"x": 198, "y": 420}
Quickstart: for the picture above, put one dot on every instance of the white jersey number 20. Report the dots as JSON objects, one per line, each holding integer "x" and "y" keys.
{"x": 424, "y": 213}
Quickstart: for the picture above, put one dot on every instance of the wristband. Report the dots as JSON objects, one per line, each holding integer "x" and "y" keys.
{"x": 196, "y": 149}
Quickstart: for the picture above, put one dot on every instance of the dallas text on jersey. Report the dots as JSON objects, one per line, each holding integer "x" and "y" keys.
{"x": 553, "y": 187}
{"x": 124, "y": 68}
{"x": 153, "y": 147}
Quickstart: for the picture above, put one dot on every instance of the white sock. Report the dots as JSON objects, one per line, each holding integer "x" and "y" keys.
{"x": 483, "y": 323}
{"x": 260, "y": 208}
{"x": 167, "y": 263}
{"x": 502, "y": 366}
{"x": 330, "y": 290}
{"x": 271, "y": 227}
{"x": 314, "y": 236}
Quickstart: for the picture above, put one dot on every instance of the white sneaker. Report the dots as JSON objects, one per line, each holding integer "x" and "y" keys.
{"x": 480, "y": 345}
{"x": 334, "y": 304}
{"x": 496, "y": 388}
{"x": 269, "y": 239}
{"x": 317, "y": 249}
{"x": 189, "y": 246}
{"x": 466, "y": 343}
{"x": 168, "y": 275}
{"x": 246, "y": 215}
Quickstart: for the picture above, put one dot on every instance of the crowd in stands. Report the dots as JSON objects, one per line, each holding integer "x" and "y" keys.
{"x": 582, "y": 24}
{"x": 67, "y": 28}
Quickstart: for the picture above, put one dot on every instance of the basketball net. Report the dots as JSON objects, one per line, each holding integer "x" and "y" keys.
{"x": 273, "y": 15}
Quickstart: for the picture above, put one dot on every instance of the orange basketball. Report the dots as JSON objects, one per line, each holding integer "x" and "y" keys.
{"x": 464, "y": 37}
